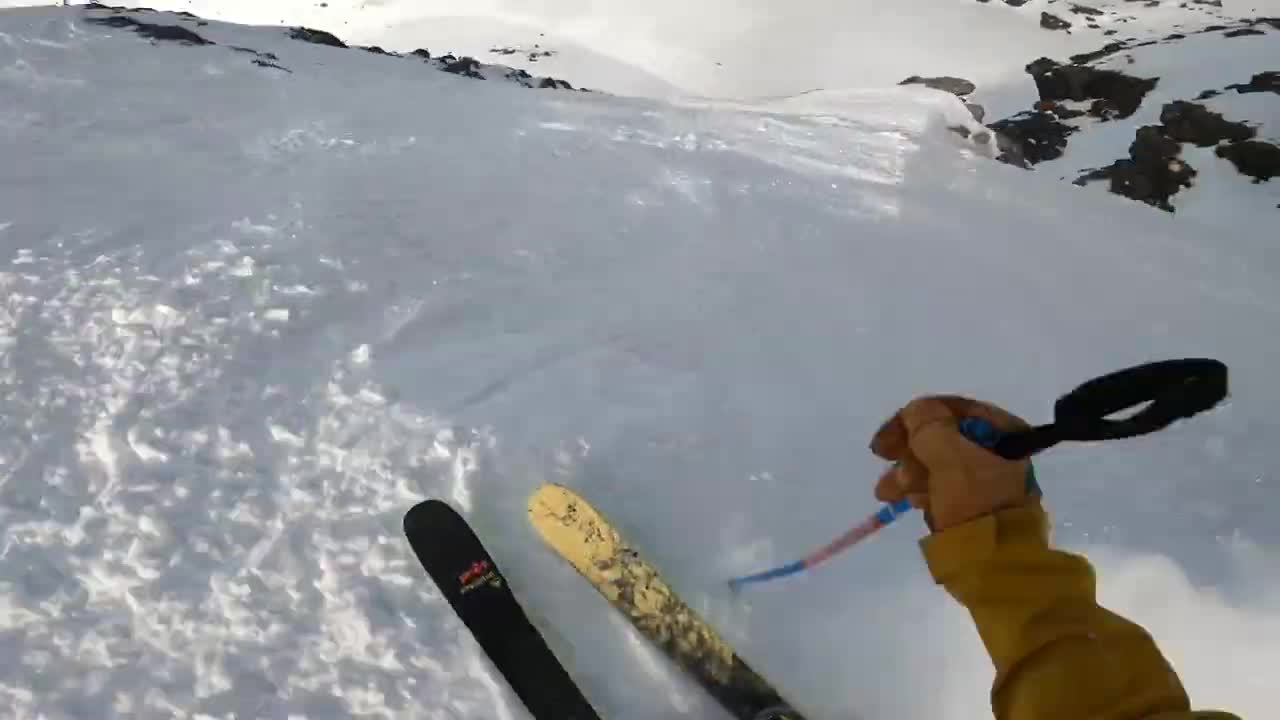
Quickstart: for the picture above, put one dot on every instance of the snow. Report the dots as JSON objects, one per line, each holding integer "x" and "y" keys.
{"x": 250, "y": 317}
{"x": 727, "y": 48}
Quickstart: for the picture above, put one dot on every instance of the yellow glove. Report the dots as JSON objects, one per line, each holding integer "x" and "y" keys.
{"x": 939, "y": 470}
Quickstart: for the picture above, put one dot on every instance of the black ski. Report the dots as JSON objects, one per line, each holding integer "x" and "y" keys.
{"x": 469, "y": 578}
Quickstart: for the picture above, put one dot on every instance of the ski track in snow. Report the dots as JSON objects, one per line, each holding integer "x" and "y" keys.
{"x": 248, "y": 320}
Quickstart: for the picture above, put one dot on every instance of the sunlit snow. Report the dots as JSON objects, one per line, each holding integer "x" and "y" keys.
{"x": 251, "y": 316}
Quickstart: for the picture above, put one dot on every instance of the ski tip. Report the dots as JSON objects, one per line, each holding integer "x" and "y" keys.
{"x": 424, "y": 514}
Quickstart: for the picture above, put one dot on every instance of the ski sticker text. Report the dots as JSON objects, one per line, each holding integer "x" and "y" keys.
{"x": 478, "y": 574}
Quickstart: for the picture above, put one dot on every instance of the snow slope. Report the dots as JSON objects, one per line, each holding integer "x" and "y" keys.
{"x": 252, "y": 314}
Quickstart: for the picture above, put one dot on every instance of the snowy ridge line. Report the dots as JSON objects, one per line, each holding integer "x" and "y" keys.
{"x": 463, "y": 66}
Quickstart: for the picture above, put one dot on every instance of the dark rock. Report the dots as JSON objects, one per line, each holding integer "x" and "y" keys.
{"x": 422, "y": 53}
{"x": 1053, "y": 22}
{"x": 1262, "y": 82}
{"x": 465, "y": 66}
{"x": 268, "y": 64}
{"x": 1041, "y": 65}
{"x": 1016, "y": 3}
{"x": 960, "y": 130}
{"x": 375, "y": 50}
{"x": 554, "y": 84}
{"x": 954, "y": 85}
{"x": 168, "y": 33}
{"x": 1210, "y": 3}
{"x": 1272, "y": 21}
{"x": 1104, "y": 110}
{"x": 1188, "y": 122}
{"x": 1108, "y": 49}
{"x": 1061, "y": 111}
{"x": 977, "y": 111}
{"x": 1086, "y": 10}
{"x": 1208, "y": 94}
{"x": 1241, "y": 32}
{"x": 317, "y": 37}
{"x": 115, "y": 21}
{"x": 1031, "y": 137}
{"x": 1174, "y": 36}
{"x": 1259, "y": 160}
{"x": 1152, "y": 173}
{"x": 503, "y": 51}
{"x": 1079, "y": 82}
{"x": 1110, "y": 32}
{"x": 251, "y": 51}
{"x": 1213, "y": 28}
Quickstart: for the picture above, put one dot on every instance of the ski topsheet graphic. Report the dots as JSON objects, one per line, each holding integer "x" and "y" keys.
{"x": 586, "y": 540}
{"x": 471, "y": 581}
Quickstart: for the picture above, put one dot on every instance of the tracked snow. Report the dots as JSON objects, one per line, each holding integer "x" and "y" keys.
{"x": 253, "y": 311}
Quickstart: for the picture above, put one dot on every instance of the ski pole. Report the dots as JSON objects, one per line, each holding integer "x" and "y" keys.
{"x": 1170, "y": 390}
{"x": 976, "y": 429}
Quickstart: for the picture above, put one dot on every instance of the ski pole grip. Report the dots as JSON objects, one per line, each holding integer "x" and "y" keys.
{"x": 1170, "y": 390}
{"x": 982, "y": 432}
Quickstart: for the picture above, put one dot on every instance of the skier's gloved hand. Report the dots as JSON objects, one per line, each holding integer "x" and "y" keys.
{"x": 939, "y": 470}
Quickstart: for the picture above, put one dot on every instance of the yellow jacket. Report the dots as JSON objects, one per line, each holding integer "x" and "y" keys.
{"x": 1058, "y": 655}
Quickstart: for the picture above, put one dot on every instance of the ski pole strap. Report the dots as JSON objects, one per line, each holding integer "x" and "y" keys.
{"x": 1170, "y": 390}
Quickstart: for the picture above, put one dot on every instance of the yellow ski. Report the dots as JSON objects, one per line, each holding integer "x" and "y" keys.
{"x": 583, "y": 537}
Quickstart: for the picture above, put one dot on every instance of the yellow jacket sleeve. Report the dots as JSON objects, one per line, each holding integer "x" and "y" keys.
{"x": 1058, "y": 655}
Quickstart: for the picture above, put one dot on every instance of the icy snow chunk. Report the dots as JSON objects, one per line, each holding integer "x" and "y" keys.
{"x": 144, "y": 450}
{"x": 282, "y": 435}
{"x": 244, "y": 268}
{"x": 158, "y": 317}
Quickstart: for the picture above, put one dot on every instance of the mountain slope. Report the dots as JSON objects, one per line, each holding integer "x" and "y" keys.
{"x": 736, "y": 48}
{"x": 253, "y": 311}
